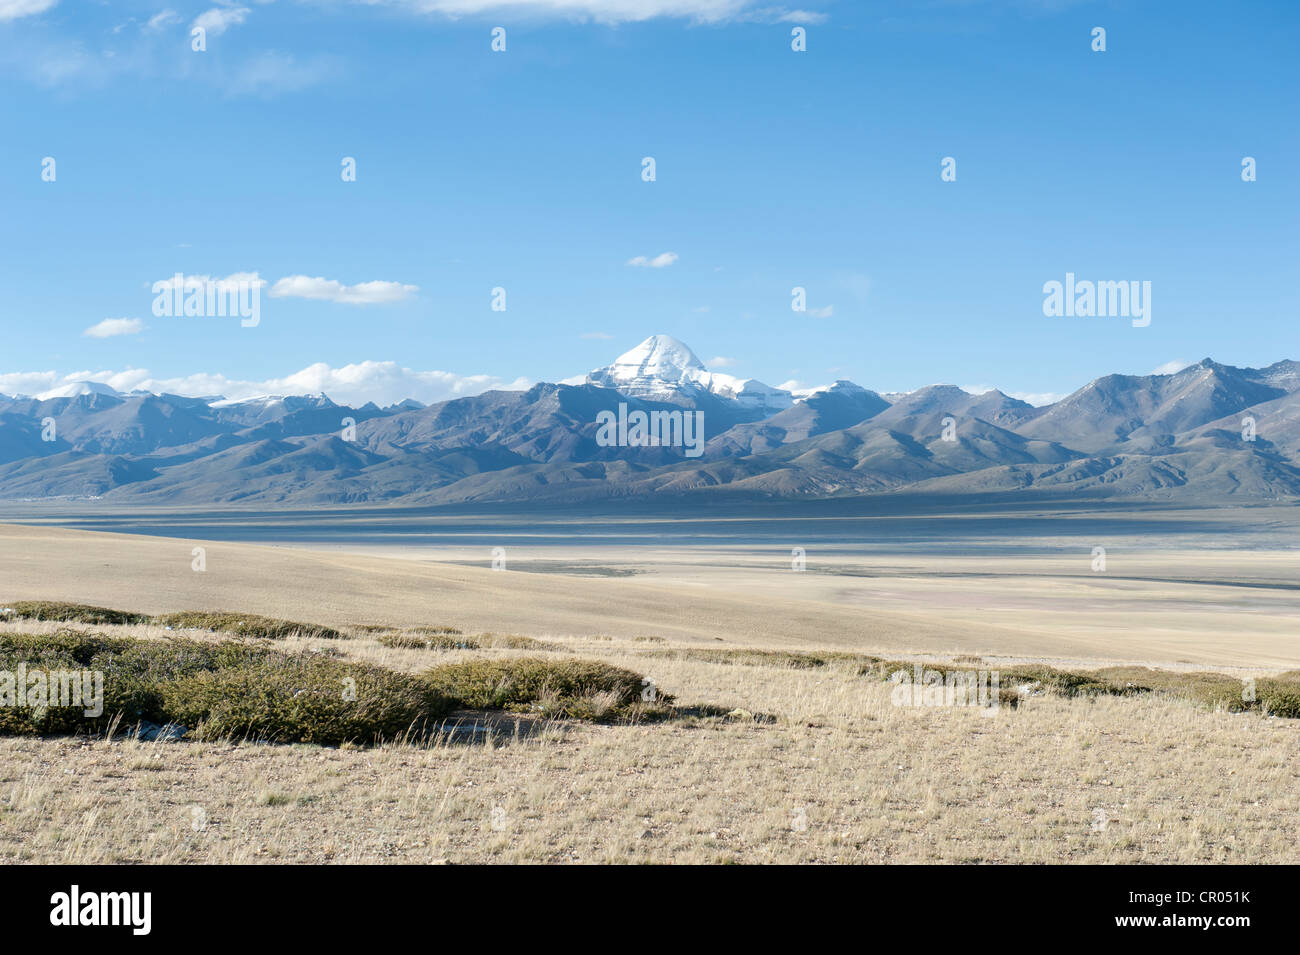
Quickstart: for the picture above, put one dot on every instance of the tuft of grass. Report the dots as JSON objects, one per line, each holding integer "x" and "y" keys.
{"x": 70, "y": 613}
{"x": 447, "y": 638}
{"x": 244, "y": 625}
{"x": 511, "y": 641}
{"x": 781, "y": 659}
{"x": 575, "y": 689}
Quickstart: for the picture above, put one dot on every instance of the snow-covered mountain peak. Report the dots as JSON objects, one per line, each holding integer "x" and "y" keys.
{"x": 660, "y": 363}
{"x": 663, "y": 368}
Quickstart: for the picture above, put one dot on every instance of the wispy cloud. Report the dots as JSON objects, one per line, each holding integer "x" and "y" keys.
{"x": 616, "y": 11}
{"x": 826, "y": 311}
{"x": 112, "y": 327}
{"x": 220, "y": 19}
{"x": 660, "y": 261}
{"x": 163, "y": 18}
{"x": 272, "y": 72}
{"x": 720, "y": 362}
{"x": 1171, "y": 367}
{"x": 328, "y": 290}
{"x": 13, "y": 9}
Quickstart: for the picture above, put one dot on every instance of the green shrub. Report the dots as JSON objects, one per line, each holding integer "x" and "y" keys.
{"x": 243, "y": 690}
{"x": 1067, "y": 683}
{"x": 221, "y": 689}
{"x": 244, "y": 625}
{"x": 782, "y": 659}
{"x": 72, "y": 613}
{"x": 1214, "y": 690}
{"x": 1279, "y": 697}
{"x": 510, "y": 641}
{"x": 448, "y": 638}
{"x": 416, "y": 641}
{"x": 581, "y": 689}
{"x": 134, "y": 672}
{"x": 304, "y": 698}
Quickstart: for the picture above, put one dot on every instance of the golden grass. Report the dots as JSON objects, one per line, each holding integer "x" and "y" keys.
{"x": 840, "y": 776}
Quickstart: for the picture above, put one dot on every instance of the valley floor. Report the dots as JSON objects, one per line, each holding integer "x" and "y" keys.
{"x": 839, "y": 775}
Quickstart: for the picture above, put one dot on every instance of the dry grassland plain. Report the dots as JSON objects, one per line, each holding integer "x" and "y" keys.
{"x": 838, "y": 774}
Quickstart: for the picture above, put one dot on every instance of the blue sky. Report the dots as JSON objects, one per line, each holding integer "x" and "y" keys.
{"x": 522, "y": 169}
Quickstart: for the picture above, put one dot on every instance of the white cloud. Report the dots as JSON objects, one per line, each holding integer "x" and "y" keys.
{"x": 617, "y": 11}
{"x": 234, "y": 281}
{"x": 383, "y": 382}
{"x": 720, "y": 362}
{"x": 275, "y": 72}
{"x": 1172, "y": 367}
{"x": 27, "y": 382}
{"x": 220, "y": 19}
{"x": 799, "y": 389}
{"x": 779, "y": 15}
{"x": 596, "y": 336}
{"x": 321, "y": 289}
{"x": 110, "y": 327}
{"x": 162, "y": 19}
{"x": 826, "y": 311}
{"x": 300, "y": 286}
{"x": 13, "y": 9}
{"x": 660, "y": 261}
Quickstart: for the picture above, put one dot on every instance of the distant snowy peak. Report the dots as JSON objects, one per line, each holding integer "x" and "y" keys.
{"x": 841, "y": 387}
{"x": 290, "y": 402}
{"x": 663, "y": 368}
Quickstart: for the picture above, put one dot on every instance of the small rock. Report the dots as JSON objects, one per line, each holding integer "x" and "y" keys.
{"x": 152, "y": 731}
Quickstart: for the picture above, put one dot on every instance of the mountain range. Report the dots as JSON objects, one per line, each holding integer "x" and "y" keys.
{"x": 1209, "y": 432}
